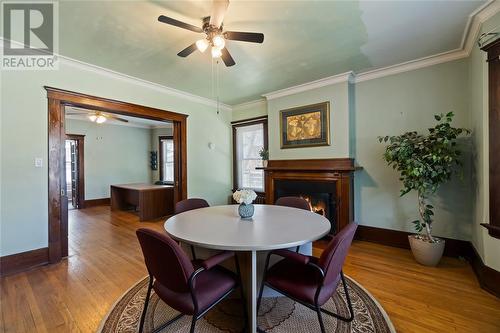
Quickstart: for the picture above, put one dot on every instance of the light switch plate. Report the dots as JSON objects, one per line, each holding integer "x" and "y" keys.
{"x": 38, "y": 162}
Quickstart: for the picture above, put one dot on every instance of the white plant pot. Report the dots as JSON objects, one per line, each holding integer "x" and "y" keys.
{"x": 264, "y": 163}
{"x": 424, "y": 252}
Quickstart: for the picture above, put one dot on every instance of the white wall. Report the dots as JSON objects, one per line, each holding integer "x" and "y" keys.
{"x": 113, "y": 154}
{"x": 23, "y": 224}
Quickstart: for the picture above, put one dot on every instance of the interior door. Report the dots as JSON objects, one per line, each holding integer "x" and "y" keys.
{"x": 74, "y": 174}
{"x": 177, "y": 162}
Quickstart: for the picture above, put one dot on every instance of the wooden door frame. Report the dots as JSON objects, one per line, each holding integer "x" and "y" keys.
{"x": 57, "y": 100}
{"x": 80, "y": 139}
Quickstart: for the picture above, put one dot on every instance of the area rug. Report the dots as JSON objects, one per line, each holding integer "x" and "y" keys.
{"x": 277, "y": 314}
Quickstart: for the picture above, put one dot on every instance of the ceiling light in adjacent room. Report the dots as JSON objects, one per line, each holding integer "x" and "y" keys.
{"x": 216, "y": 52}
{"x": 202, "y": 45}
{"x": 100, "y": 119}
{"x": 92, "y": 117}
{"x": 219, "y": 41}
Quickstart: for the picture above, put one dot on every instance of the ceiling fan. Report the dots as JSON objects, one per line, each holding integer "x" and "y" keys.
{"x": 215, "y": 37}
{"x": 97, "y": 116}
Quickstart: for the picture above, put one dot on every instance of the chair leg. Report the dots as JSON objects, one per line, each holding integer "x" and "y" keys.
{"x": 193, "y": 253}
{"x": 320, "y": 319}
{"x": 148, "y": 294}
{"x": 193, "y": 324}
{"x": 346, "y": 291}
{"x": 349, "y": 304}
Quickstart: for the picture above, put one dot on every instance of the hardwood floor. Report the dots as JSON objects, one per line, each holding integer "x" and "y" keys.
{"x": 105, "y": 260}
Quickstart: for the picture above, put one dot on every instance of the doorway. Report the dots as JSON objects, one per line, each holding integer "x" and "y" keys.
{"x": 74, "y": 166}
{"x": 58, "y": 100}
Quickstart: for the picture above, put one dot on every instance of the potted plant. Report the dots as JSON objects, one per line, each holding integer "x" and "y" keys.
{"x": 264, "y": 154}
{"x": 425, "y": 162}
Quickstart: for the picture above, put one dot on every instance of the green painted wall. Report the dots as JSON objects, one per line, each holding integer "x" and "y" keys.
{"x": 338, "y": 97}
{"x": 114, "y": 154}
{"x": 249, "y": 110}
{"x": 487, "y": 247}
{"x": 392, "y": 105}
{"x": 23, "y": 137}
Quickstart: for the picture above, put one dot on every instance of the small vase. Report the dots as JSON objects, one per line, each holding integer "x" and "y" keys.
{"x": 246, "y": 211}
{"x": 264, "y": 163}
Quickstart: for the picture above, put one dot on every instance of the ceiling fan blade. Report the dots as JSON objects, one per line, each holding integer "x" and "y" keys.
{"x": 117, "y": 118}
{"x": 187, "y": 51}
{"x": 219, "y": 8}
{"x": 176, "y": 23}
{"x": 75, "y": 114}
{"x": 226, "y": 57}
{"x": 252, "y": 37}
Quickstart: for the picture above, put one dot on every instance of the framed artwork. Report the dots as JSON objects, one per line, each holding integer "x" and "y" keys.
{"x": 305, "y": 126}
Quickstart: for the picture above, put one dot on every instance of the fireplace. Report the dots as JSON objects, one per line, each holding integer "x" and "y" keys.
{"x": 321, "y": 196}
{"x": 327, "y": 184}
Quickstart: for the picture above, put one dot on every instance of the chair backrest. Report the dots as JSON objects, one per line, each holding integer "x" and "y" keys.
{"x": 189, "y": 204}
{"x": 165, "y": 260}
{"x": 333, "y": 257}
{"x": 296, "y": 202}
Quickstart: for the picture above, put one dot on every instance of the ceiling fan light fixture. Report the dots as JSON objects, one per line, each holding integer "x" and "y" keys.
{"x": 92, "y": 117}
{"x": 219, "y": 41}
{"x": 202, "y": 45}
{"x": 216, "y": 52}
{"x": 100, "y": 119}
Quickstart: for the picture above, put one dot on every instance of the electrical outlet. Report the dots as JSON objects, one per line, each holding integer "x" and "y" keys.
{"x": 38, "y": 162}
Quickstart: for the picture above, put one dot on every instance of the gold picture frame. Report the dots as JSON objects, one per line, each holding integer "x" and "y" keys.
{"x": 305, "y": 126}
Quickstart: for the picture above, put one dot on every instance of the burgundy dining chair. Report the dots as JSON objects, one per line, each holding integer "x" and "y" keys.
{"x": 311, "y": 281}
{"x": 190, "y": 287}
{"x": 295, "y": 202}
{"x": 190, "y": 204}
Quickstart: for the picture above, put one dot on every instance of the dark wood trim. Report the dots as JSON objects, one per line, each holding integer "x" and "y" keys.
{"x": 57, "y": 199}
{"x": 23, "y": 261}
{"x": 111, "y": 105}
{"x": 493, "y": 49}
{"x": 396, "y": 238}
{"x": 337, "y": 171}
{"x": 160, "y": 153}
{"x": 242, "y": 123}
{"x": 245, "y": 121}
{"x": 81, "y": 167}
{"x": 97, "y": 202}
{"x": 489, "y": 279}
{"x": 328, "y": 164}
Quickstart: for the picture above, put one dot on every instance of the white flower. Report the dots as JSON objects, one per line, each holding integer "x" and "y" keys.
{"x": 244, "y": 196}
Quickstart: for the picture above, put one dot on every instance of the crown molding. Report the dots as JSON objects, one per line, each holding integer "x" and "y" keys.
{"x": 144, "y": 83}
{"x": 250, "y": 104}
{"x": 410, "y": 65}
{"x": 132, "y": 79}
{"x": 327, "y": 81}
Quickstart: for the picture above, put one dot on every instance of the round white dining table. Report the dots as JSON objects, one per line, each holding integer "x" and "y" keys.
{"x": 271, "y": 227}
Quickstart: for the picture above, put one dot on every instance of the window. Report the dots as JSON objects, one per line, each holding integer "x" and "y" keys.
{"x": 166, "y": 148}
{"x": 249, "y": 137}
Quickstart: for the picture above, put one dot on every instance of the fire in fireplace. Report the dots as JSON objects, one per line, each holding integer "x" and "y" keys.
{"x": 321, "y": 196}
{"x": 316, "y": 206}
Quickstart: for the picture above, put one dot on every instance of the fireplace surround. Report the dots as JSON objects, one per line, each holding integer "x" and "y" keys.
{"x": 327, "y": 184}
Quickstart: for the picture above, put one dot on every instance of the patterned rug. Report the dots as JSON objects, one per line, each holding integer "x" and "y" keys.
{"x": 277, "y": 314}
